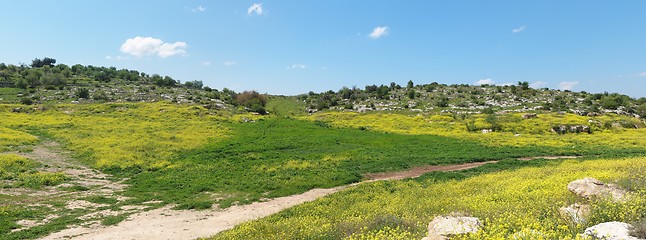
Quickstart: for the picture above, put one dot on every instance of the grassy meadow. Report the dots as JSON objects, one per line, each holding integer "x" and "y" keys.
{"x": 522, "y": 201}
{"x": 193, "y": 157}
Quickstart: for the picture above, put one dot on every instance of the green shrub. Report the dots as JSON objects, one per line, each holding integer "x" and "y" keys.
{"x": 26, "y": 101}
{"x": 83, "y": 93}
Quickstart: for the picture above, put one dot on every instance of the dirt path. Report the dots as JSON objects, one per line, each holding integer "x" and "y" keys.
{"x": 53, "y": 158}
{"x": 165, "y": 223}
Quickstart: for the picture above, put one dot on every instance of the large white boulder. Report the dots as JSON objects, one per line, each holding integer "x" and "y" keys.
{"x": 610, "y": 231}
{"x": 443, "y": 226}
{"x": 590, "y": 187}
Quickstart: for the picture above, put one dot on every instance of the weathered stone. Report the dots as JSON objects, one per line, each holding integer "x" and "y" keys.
{"x": 530, "y": 115}
{"x": 610, "y": 231}
{"x": 443, "y": 226}
{"x": 578, "y": 213}
{"x": 590, "y": 187}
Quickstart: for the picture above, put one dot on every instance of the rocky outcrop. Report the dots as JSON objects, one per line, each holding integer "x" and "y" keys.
{"x": 563, "y": 129}
{"x": 590, "y": 187}
{"x": 444, "y": 226}
{"x": 610, "y": 231}
{"x": 577, "y": 213}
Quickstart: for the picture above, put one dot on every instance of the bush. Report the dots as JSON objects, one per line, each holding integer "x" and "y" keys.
{"x": 83, "y": 93}
{"x": 252, "y": 100}
{"x": 26, "y": 101}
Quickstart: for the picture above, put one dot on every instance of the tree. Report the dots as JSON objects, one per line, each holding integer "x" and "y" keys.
{"x": 83, "y": 93}
{"x": 4, "y": 76}
{"x": 37, "y": 63}
{"x": 411, "y": 94}
{"x": 252, "y": 100}
{"x": 33, "y": 77}
{"x": 410, "y": 84}
{"x": 194, "y": 84}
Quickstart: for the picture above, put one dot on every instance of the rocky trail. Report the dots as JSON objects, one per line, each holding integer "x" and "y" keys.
{"x": 53, "y": 158}
{"x": 166, "y": 223}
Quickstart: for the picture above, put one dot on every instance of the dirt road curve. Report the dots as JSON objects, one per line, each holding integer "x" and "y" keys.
{"x": 165, "y": 223}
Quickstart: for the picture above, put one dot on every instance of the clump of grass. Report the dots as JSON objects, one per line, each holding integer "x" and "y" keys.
{"x": 41, "y": 179}
{"x": 113, "y": 220}
{"x": 76, "y": 188}
{"x": 195, "y": 204}
{"x": 101, "y": 200}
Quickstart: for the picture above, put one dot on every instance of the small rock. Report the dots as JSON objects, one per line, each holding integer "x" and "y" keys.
{"x": 529, "y": 115}
{"x": 443, "y": 226}
{"x": 578, "y": 213}
{"x": 590, "y": 187}
{"x": 610, "y": 231}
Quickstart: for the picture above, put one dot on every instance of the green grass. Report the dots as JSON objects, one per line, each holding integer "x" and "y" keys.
{"x": 23, "y": 172}
{"x": 101, "y": 200}
{"x": 279, "y": 157}
{"x": 10, "y": 95}
{"x": 114, "y": 220}
{"x": 285, "y": 106}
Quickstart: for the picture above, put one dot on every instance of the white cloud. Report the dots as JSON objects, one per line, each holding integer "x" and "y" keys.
{"x": 567, "y": 85}
{"x": 642, "y": 74}
{"x": 538, "y": 84}
{"x": 379, "y": 32}
{"x": 230, "y": 63}
{"x": 505, "y": 84}
{"x": 198, "y": 9}
{"x": 519, "y": 29}
{"x": 297, "y": 66}
{"x": 256, "y": 8}
{"x": 144, "y": 46}
{"x": 206, "y": 63}
{"x": 115, "y": 57}
{"x": 484, "y": 81}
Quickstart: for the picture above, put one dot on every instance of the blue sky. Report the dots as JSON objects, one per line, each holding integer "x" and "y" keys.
{"x": 292, "y": 47}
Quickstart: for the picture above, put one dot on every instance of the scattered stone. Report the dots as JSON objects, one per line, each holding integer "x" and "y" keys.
{"x": 610, "y": 231}
{"x": 364, "y": 109}
{"x": 563, "y": 129}
{"x": 246, "y": 120}
{"x": 578, "y": 213}
{"x": 529, "y": 115}
{"x": 16, "y": 110}
{"x": 444, "y": 226}
{"x": 590, "y": 187}
{"x": 486, "y": 130}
